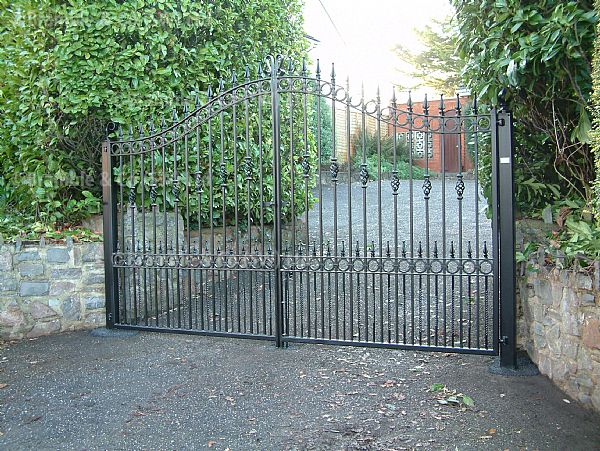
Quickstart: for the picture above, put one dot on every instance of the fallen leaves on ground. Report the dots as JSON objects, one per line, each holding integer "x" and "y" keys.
{"x": 446, "y": 396}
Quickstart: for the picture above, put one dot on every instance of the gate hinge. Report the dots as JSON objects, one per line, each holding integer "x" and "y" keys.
{"x": 110, "y": 316}
{"x": 503, "y": 340}
{"x": 501, "y": 122}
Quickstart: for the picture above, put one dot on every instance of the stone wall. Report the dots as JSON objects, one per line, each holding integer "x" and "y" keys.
{"x": 559, "y": 326}
{"x": 46, "y": 289}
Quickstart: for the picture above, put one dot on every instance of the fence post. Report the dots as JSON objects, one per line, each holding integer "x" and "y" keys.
{"x": 109, "y": 227}
{"x": 275, "y": 112}
{"x": 506, "y": 207}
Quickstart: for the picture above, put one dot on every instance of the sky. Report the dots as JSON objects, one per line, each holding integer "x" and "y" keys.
{"x": 367, "y": 31}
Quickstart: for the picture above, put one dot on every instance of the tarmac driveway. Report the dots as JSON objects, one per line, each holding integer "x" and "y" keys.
{"x": 162, "y": 391}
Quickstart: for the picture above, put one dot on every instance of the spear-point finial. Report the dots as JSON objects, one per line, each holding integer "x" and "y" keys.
{"x": 458, "y": 104}
{"x": 333, "y": 73}
{"x": 174, "y": 115}
{"x": 387, "y": 250}
{"x": 209, "y": 92}
{"x": 485, "y": 249}
{"x": 343, "y": 254}
{"x": 469, "y": 250}
{"x": 451, "y": 249}
{"x": 260, "y": 69}
{"x": 163, "y": 121}
{"x": 247, "y": 73}
{"x": 409, "y": 102}
{"x": 290, "y": 65}
{"x": 420, "y": 251}
{"x": 233, "y": 78}
{"x": 185, "y": 107}
{"x": 435, "y": 249}
{"x": 425, "y": 105}
{"x": 394, "y": 97}
{"x": 221, "y": 85}
{"x": 357, "y": 249}
{"x": 304, "y": 67}
{"x": 318, "y": 69}
{"x": 120, "y": 133}
{"x": 151, "y": 127}
{"x": 441, "y": 104}
{"x": 130, "y": 132}
{"x": 475, "y": 111}
{"x": 197, "y": 101}
{"x": 141, "y": 130}
{"x": 403, "y": 249}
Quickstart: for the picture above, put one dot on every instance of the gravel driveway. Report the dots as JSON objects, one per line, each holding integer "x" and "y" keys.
{"x": 161, "y": 391}
{"x": 471, "y": 222}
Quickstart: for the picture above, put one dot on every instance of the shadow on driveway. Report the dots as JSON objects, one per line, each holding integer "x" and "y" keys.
{"x": 159, "y": 391}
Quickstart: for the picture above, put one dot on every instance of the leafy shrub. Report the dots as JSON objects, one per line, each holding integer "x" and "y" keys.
{"x": 541, "y": 52}
{"x": 372, "y": 148}
{"x": 68, "y": 68}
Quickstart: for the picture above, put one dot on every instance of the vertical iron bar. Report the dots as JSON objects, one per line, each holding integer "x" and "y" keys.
{"x": 275, "y": 111}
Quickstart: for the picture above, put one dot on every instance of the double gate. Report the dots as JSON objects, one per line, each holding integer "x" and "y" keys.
{"x": 287, "y": 207}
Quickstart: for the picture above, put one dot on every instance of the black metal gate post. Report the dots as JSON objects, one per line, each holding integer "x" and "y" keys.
{"x": 508, "y": 311}
{"x": 110, "y": 228}
{"x": 275, "y": 112}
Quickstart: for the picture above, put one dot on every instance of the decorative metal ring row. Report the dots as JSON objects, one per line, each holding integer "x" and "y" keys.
{"x": 372, "y": 265}
{"x": 129, "y": 260}
{"x": 387, "y": 265}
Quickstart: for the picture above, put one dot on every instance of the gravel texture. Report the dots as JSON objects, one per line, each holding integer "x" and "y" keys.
{"x": 425, "y": 214}
{"x": 160, "y": 391}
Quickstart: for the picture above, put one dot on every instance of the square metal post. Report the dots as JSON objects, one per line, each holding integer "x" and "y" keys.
{"x": 109, "y": 228}
{"x": 506, "y": 209}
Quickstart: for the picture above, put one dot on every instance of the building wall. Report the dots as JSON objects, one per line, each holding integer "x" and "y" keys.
{"x": 433, "y": 160}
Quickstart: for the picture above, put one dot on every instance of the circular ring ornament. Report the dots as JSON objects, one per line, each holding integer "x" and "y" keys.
{"x": 389, "y": 265}
{"x": 358, "y": 265}
{"x": 469, "y": 267}
{"x": 183, "y": 261}
{"x": 343, "y": 264}
{"x": 195, "y": 262}
{"x": 485, "y": 267}
{"x": 436, "y": 266}
{"x": 328, "y": 264}
{"x": 171, "y": 261}
{"x": 148, "y": 260}
{"x": 243, "y": 263}
{"x": 373, "y": 265}
{"x": 269, "y": 263}
{"x": 453, "y": 266}
{"x": 219, "y": 262}
{"x": 420, "y": 266}
{"x": 315, "y": 264}
{"x": 404, "y": 266}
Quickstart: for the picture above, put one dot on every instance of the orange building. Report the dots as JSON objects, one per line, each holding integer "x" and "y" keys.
{"x": 453, "y": 144}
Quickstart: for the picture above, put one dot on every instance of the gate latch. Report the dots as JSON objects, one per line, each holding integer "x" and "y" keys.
{"x": 503, "y": 340}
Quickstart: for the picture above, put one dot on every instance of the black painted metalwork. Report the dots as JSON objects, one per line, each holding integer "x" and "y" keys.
{"x": 230, "y": 221}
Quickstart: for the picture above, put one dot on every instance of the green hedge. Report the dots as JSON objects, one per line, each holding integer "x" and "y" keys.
{"x": 69, "y": 67}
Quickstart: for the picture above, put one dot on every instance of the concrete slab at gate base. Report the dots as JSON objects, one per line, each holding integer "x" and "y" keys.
{"x": 48, "y": 289}
{"x": 559, "y": 326}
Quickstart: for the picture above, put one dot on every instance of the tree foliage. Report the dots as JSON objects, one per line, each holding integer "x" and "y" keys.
{"x": 438, "y": 65}
{"x": 541, "y": 53}
{"x": 67, "y": 67}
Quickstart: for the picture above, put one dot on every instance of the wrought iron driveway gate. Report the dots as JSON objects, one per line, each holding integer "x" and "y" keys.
{"x": 283, "y": 208}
